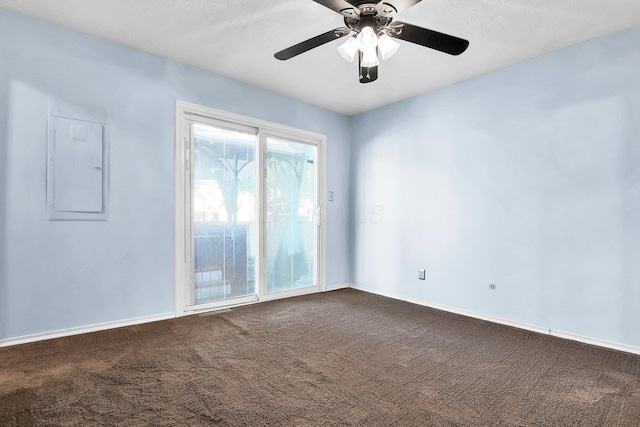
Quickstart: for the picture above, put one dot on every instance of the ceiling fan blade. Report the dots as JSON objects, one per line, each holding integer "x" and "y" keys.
{"x": 335, "y": 5}
{"x": 432, "y": 39}
{"x": 367, "y": 74}
{"x": 401, "y": 5}
{"x": 316, "y": 41}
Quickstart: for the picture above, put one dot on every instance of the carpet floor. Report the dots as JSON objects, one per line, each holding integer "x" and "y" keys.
{"x": 342, "y": 358}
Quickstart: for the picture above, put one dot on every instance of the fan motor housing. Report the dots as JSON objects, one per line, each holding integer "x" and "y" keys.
{"x": 368, "y": 15}
{"x": 367, "y": 21}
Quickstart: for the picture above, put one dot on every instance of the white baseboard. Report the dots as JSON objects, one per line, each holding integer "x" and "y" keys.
{"x": 336, "y": 287}
{"x": 6, "y": 342}
{"x": 24, "y": 339}
{"x": 534, "y": 328}
{"x": 595, "y": 341}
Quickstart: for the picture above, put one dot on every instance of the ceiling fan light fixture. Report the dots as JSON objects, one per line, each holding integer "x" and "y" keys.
{"x": 370, "y": 58}
{"x": 348, "y": 49}
{"x": 367, "y": 39}
{"x": 374, "y": 32}
{"x": 387, "y": 46}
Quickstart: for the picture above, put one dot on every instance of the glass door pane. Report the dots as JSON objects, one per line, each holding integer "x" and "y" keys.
{"x": 224, "y": 214}
{"x": 290, "y": 220}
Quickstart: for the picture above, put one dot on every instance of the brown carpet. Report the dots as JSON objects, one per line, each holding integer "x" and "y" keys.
{"x": 340, "y": 358}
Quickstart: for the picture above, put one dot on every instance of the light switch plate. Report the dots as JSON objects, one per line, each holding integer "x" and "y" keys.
{"x": 422, "y": 274}
{"x": 331, "y": 196}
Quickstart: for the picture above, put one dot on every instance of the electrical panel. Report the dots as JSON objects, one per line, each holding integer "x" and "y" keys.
{"x": 77, "y": 169}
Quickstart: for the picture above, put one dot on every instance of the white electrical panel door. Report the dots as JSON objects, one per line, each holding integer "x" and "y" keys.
{"x": 78, "y": 165}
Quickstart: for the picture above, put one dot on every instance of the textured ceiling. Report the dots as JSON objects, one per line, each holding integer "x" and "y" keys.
{"x": 237, "y": 39}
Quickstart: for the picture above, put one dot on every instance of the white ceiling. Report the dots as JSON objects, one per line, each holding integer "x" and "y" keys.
{"x": 237, "y": 39}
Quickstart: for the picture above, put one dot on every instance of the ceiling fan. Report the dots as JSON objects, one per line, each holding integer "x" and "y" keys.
{"x": 373, "y": 25}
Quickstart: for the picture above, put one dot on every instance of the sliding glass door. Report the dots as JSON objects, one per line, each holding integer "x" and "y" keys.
{"x": 223, "y": 200}
{"x": 291, "y": 214}
{"x": 251, "y": 222}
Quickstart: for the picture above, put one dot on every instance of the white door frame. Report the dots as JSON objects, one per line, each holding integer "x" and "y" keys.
{"x": 186, "y": 113}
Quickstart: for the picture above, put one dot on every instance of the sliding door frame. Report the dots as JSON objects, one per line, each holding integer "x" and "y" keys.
{"x": 186, "y": 113}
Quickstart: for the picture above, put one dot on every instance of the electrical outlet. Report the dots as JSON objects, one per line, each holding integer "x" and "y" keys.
{"x": 331, "y": 196}
{"x": 421, "y": 274}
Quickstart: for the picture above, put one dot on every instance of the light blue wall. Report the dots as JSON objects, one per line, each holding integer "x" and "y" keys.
{"x": 528, "y": 178}
{"x": 58, "y": 275}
